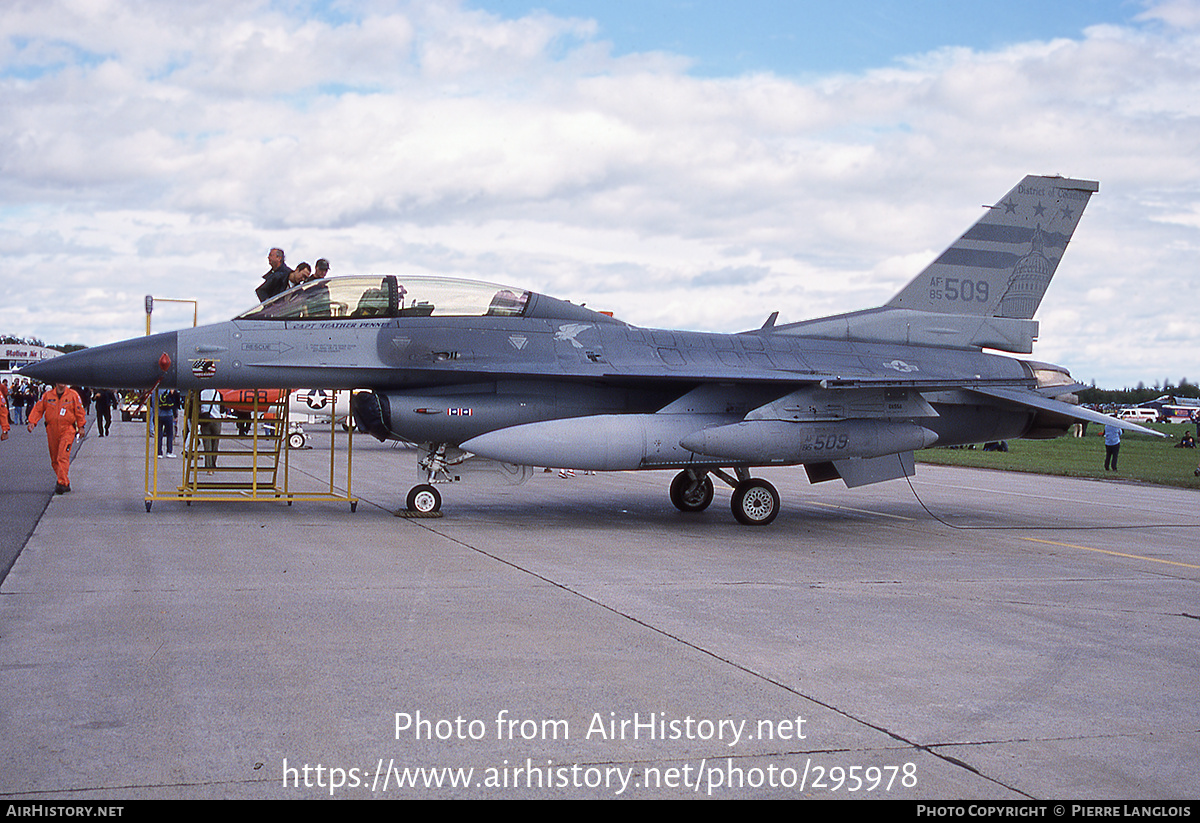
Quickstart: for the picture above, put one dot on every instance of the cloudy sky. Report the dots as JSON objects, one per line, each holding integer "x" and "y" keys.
{"x": 683, "y": 163}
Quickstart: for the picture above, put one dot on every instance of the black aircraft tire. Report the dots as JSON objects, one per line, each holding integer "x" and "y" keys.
{"x": 698, "y": 500}
{"x": 755, "y": 502}
{"x": 424, "y": 499}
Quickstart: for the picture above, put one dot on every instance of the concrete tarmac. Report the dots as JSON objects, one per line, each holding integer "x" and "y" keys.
{"x": 581, "y": 638}
{"x": 26, "y": 486}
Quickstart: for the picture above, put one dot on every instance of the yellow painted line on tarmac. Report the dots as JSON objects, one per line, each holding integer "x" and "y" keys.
{"x": 1115, "y": 554}
{"x": 860, "y": 511}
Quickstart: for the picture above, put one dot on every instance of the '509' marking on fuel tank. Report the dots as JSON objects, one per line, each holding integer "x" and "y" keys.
{"x": 829, "y": 441}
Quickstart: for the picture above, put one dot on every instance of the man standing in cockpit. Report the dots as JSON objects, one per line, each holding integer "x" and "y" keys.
{"x": 276, "y": 280}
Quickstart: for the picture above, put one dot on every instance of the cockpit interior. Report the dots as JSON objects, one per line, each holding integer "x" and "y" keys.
{"x": 373, "y": 296}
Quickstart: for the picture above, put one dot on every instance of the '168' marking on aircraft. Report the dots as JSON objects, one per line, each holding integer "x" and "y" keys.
{"x": 484, "y": 374}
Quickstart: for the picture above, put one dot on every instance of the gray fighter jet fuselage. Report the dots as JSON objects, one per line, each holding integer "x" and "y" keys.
{"x": 477, "y": 370}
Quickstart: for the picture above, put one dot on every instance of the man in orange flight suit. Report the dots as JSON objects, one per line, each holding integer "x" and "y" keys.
{"x": 4, "y": 425}
{"x": 64, "y": 415}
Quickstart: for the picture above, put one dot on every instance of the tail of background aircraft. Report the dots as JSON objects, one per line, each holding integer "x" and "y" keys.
{"x": 984, "y": 290}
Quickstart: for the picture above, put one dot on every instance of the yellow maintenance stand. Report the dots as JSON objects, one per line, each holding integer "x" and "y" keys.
{"x": 238, "y": 459}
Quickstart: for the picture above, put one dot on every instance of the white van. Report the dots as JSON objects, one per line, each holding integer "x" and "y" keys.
{"x": 1138, "y": 415}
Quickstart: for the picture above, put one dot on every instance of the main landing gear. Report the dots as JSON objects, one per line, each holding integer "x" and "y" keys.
{"x": 692, "y": 490}
{"x": 755, "y": 502}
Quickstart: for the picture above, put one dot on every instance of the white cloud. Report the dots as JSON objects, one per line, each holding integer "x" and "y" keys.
{"x": 164, "y": 147}
{"x": 1179, "y": 14}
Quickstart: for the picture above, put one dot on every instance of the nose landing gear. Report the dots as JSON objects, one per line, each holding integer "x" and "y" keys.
{"x": 424, "y": 499}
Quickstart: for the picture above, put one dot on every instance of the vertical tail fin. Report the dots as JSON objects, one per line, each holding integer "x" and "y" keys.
{"x": 1002, "y": 265}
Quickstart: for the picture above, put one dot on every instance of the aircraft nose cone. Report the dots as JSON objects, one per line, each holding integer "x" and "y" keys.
{"x": 130, "y": 364}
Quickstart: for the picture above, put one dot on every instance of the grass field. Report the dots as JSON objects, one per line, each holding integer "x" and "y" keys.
{"x": 1142, "y": 458}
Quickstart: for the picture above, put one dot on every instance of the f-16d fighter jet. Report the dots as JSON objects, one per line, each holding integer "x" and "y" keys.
{"x": 479, "y": 373}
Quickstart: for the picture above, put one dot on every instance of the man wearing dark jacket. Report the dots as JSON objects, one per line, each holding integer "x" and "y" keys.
{"x": 276, "y": 280}
{"x": 106, "y": 401}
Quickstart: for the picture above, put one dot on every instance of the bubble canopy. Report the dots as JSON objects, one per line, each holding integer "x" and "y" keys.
{"x": 390, "y": 295}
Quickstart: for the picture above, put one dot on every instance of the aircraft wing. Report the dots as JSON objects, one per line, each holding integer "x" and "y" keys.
{"x": 1033, "y": 400}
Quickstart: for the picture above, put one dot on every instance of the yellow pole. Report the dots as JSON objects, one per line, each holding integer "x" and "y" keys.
{"x": 150, "y": 308}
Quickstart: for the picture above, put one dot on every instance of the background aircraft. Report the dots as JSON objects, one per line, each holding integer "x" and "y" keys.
{"x": 477, "y": 371}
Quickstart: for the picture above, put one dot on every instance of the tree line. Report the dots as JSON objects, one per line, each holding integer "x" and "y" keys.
{"x": 1139, "y": 394}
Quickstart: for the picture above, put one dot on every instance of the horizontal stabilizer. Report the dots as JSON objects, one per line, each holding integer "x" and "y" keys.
{"x": 1033, "y": 400}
